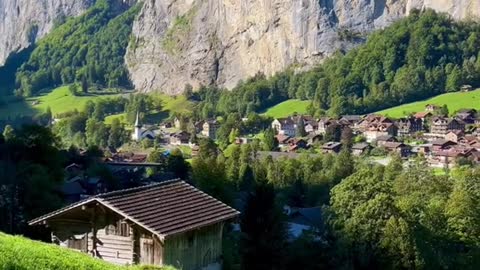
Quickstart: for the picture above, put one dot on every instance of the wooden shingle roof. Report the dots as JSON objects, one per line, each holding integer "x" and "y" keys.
{"x": 165, "y": 208}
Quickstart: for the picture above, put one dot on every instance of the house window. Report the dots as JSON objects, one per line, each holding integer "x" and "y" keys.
{"x": 120, "y": 228}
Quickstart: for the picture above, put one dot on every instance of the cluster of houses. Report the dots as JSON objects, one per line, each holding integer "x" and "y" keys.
{"x": 169, "y": 133}
{"x": 443, "y": 140}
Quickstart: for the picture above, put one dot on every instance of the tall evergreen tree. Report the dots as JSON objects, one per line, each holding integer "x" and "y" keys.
{"x": 264, "y": 231}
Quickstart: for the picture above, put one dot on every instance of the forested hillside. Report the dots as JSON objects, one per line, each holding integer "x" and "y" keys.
{"x": 87, "y": 49}
{"x": 423, "y": 55}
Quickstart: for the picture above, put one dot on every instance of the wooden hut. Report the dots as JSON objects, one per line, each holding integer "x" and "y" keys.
{"x": 170, "y": 223}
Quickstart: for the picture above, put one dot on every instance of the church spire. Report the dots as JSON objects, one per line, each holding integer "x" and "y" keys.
{"x": 137, "y": 121}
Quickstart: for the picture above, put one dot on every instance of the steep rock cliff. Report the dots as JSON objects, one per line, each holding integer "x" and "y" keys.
{"x": 224, "y": 41}
{"x": 23, "y": 22}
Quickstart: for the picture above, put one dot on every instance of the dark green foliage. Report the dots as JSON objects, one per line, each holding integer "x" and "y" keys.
{"x": 30, "y": 173}
{"x": 270, "y": 143}
{"x": 264, "y": 231}
{"x": 88, "y": 49}
{"x": 177, "y": 164}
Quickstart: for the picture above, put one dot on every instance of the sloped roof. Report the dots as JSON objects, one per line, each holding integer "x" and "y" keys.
{"x": 166, "y": 208}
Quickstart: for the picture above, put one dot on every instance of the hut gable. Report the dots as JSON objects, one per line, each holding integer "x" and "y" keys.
{"x": 150, "y": 225}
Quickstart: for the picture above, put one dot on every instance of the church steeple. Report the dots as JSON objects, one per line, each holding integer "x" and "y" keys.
{"x": 137, "y": 121}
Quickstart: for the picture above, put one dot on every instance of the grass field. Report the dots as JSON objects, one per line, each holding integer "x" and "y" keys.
{"x": 21, "y": 253}
{"x": 59, "y": 100}
{"x": 454, "y": 101}
{"x": 287, "y": 108}
{"x": 170, "y": 105}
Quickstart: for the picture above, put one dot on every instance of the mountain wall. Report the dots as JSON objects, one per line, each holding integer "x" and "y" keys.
{"x": 22, "y": 22}
{"x": 176, "y": 42}
{"x": 224, "y": 41}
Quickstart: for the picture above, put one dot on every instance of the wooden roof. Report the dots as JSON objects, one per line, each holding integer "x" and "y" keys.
{"x": 166, "y": 208}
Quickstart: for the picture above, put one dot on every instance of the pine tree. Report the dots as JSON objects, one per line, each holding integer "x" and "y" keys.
{"x": 264, "y": 231}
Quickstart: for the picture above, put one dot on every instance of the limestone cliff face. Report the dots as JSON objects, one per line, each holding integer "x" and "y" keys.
{"x": 22, "y": 22}
{"x": 224, "y": 41}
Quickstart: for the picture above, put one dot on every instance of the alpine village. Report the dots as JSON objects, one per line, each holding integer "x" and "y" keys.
{"x": 239, "y": 135}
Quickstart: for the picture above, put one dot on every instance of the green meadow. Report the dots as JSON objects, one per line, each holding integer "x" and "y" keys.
{"x": 17, "y": 252}
{"x": 287, "y": 108}
{"x": 454, "y": 101}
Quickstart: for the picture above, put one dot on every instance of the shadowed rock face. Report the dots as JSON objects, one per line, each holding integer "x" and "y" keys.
{"x": 22, "y": 22}
{"x": 224, "y": 41}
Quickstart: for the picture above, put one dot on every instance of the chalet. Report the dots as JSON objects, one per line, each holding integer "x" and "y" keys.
{"x": 468, "y": 116}
{"x": 466, "y": 88}
{"x": 359, "y": 149}
{"x": 448, "y": 158}
{"x": 442, "y": 145}
{"x": 325, "y": 123}
{"x": 372, "y": 119}
{"x": 210, "y": 128}
{"x": 381, "y": 140}
{"x": 314, "y": 138}
{"x": 422, "y": 115}
{"x": 179, "y": 138}
{"x": 199, "y": 126}
{"x": 410, "y": 125}
{"x": 331, "y": 148}
{"x": 376, "y": 130}
{"x": 442, "y": 126}
{"x": 72, "y": 190}
{"x": 397, "y": 147}
{"x": 431, "y": 107}
{"x": 73, "y": 169}
{"x": 454, "y": 135}
{"x": 282, "y": 140}
{"x": 311, "y": 127}
{"x": 352, "y": 120}
{"x": 295, "y": 144}
{"x": 284, "y": 126}
{"x": 168, "y": 223}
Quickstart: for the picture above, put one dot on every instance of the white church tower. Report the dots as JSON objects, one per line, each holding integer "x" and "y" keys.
{"x": 137, "y": 132}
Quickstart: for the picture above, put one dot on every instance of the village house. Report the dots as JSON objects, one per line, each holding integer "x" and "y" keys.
{"x": 331, "y": 147}
{"x": 351, "y": 120}
{"x": 295, "y": 144}
{"x": 210, "y": 128}
{"x": 376, "y": 130}
{"x": 325, "y": 123}
{"x": 384, "y": 139}
{"x": 179, "y": 138}
{"x": 468, "y": 116}
{"x": 466, "y": 88}
{"x": 454, "y": 135}
{"x": 397, "y": 147}
{"x": 409, "y": 125}
{"x": 423, "y": 116}
{"x": 282, "y": 140}
{"x": 431, "y": 107}
{"x": 442, "y": 125}
{"x": 311, "y": 127}
{"x": 448, "y": 158}
{"x": 442, "y": 145}
{"x": 284, "y": 126}
{"x": 168, "y": 223}
{"x": 195, "y": 150}
{"x": 359, "y": 149}
{"x": 314, "y": 138}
